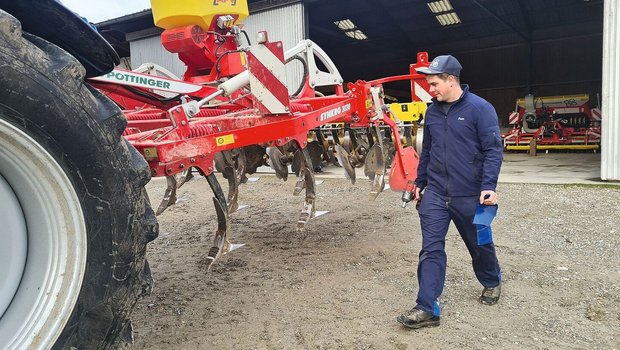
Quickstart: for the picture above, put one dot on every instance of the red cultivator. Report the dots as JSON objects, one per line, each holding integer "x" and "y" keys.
{"x": 554, "y": 122}
{"x": 225, "y": 117}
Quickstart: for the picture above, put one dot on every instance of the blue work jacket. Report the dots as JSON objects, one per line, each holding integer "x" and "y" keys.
{"x": 461, "y": 150}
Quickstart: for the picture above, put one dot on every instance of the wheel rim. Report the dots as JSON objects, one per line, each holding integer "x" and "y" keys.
{"x": 47, "y": 250}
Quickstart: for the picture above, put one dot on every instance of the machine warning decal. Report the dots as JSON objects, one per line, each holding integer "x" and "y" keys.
{"x": 225, "y": 140}
{"x": 150, "y": 153}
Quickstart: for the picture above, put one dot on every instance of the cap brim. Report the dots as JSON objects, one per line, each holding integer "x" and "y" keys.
{"x": 427, "y": 70}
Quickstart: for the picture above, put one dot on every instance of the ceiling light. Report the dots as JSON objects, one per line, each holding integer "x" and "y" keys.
{"x": 433, "y": 7}
{"x": 359, "y": 35}
{"x": 350, "y": 29}
{"x": 449, "y": 18}
{"x": 455, "y": 17}
{"x": 440, "y": 6}
{"x": 442, "y": 20}
{"x": 444, "y": 12}
{"x": 345, "y": 24}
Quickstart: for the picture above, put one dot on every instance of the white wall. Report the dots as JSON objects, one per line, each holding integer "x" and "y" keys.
{"x": 150, "y": 50}
{"x": 286, "y": 24}
{"x": 610, "y": 142}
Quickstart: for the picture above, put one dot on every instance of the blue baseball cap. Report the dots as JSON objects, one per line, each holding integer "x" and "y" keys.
{"x": 442, "y": 64}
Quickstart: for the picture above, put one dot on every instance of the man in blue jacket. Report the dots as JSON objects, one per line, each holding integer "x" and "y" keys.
{"x": 458, "y": 170}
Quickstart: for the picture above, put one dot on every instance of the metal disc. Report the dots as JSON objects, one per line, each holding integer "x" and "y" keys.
{"x": 374, "y": 161}
{"x": 343, "y": 159}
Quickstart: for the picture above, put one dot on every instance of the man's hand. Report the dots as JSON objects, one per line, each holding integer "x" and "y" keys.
{"x": 417, "y": 194}
{"x": 488, "y": 197}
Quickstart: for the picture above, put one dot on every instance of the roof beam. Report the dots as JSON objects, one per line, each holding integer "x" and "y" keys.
{"x": 526, "y": 19}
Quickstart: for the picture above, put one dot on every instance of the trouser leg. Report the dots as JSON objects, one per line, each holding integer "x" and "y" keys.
{"x": 434, "y": 219}
{"x": 484, "y": 259}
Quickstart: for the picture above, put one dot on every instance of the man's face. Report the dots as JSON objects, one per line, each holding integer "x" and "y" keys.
{"x": 441, "y": 89}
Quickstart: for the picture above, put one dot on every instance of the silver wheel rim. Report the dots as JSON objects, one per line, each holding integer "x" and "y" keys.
{"x": 46, "y": 257}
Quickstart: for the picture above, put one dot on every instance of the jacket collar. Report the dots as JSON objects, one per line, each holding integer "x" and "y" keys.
{"x": 465, "y": 88}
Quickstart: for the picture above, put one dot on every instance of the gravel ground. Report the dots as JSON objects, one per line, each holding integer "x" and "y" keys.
{"x": 341, "y": 283}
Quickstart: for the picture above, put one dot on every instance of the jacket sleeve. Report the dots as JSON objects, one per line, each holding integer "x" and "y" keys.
{"x": 489, "y": 137}
{"x": 422, "y": 179}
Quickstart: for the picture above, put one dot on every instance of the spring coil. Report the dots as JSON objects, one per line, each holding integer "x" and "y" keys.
{"x": 197, "y": 130}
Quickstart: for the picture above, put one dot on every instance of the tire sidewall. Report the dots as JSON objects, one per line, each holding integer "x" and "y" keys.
{"x": 43, "y": 94}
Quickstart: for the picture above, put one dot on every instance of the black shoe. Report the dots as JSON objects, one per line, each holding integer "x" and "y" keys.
{"x": 416, "y": 318}
{"x": 490, "y": 296}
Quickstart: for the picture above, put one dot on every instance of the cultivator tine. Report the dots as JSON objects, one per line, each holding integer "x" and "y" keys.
{"x": 328, "y": 154}
{"x": 316, "y": 154}
{"x": 377, "y": 165}
{"x": 388, "y": 147}
{"x": 296, "y": 163}
{"x": 220, "y": 241}
{"x": 343, "y": 160}
{"x": 336, "y": 139}
{"x": 308, "y": 210}
{"x": 407, "y": 135}
{"x": 303, "y": 160}
{"x": 233, "y": 188}
{"x": 170, "y": 196}
{"x": 277, "y": 163}
{"x": 221, "y": 161}
{"x": 232, "y": 166}
{"x": 241, "y": 166}
{"x": 185, "y": 177}
{"x": 297, "y": 167}
{"x": 360, "y": 149}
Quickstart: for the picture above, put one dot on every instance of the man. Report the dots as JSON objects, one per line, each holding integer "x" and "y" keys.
{"x": 458, "y": 169}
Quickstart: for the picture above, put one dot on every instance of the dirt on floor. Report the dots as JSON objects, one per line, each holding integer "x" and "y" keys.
{"x": 341, "y": 283}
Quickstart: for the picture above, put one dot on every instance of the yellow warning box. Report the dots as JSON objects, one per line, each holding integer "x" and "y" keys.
{"x": 409, "y": 112}
{"x": 169, "y": 14}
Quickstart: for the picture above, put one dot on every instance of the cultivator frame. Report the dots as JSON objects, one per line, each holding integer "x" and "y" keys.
{"x": 228, "y": 118}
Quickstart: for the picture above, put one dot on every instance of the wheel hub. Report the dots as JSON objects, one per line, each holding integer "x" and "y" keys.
{"x": 44, "y": 235}
{"x": 14, "y": 244}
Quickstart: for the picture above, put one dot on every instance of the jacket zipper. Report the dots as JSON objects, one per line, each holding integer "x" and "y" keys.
{"x": 445, "y": 151}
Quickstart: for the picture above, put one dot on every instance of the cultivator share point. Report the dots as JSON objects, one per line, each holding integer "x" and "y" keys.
{"x": 233, "y": 112}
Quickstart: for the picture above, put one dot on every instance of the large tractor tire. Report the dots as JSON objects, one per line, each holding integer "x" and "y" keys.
{"x": 74, "y": 216}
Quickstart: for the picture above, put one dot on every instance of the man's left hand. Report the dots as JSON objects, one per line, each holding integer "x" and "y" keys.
{"x": 490, "y": 200}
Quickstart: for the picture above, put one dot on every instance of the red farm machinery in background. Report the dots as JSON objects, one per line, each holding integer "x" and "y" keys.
{"x": 232, "y": 112}
{"x": 554, "y": 122}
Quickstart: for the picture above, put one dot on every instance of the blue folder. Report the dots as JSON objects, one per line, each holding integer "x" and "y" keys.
{"x": 482, "y": 219}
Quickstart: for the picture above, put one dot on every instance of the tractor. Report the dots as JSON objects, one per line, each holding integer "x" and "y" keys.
{"x": 74, "y": 213}
{"x": 79, "y": 139}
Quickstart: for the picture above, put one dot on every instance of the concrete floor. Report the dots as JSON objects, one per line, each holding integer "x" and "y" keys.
{"x": 548, "y": 168}
{"x": 552, "y": 168}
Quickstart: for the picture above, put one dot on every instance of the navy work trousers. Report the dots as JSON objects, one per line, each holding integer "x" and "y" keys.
{"x": 436, "y": 211}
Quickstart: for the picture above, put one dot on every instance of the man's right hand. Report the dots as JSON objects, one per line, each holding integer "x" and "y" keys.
{"x": 418, "y": 194}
